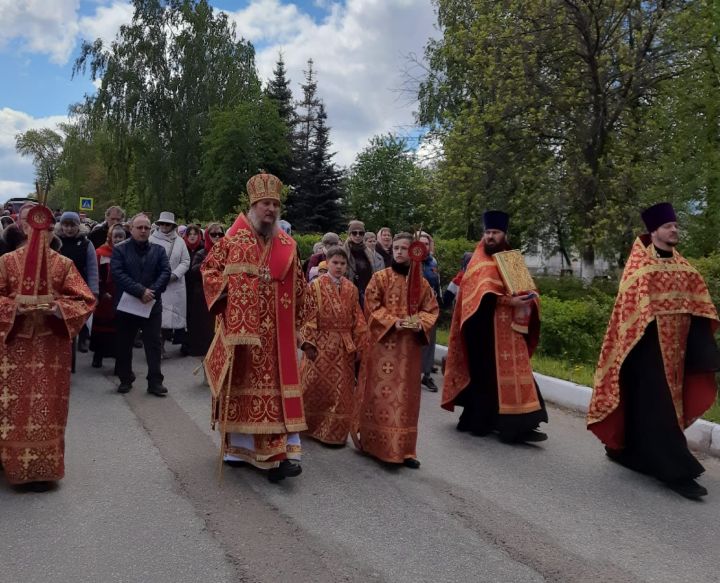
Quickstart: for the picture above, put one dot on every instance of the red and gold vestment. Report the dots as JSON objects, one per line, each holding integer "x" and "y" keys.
{"x": 257, "y": 289}
{"x": 668, "y": 291}
{"x": 516, "y": 337}
{"x": 336, "y": 327}
{"x": 35, "y": 360}
{"x": 389, "y": 384}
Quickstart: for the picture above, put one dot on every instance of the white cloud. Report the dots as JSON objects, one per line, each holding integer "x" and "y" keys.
{"x": 270, "y": 21}
{"x": 52, "y": 27}
{"x": 42, "y": 27}
{"x": 17, "y": 173}
{"x": 106, "y": 21}
{"x": 360, "y": 51}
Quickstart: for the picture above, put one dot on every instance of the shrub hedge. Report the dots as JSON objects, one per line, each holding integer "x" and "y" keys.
{"x": 574, "y": 316}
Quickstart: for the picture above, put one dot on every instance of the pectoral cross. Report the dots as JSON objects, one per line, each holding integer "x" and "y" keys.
{"x": 265, "y": 274}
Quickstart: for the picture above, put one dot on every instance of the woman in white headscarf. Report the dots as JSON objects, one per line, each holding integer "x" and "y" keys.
{"x": 174, "y": 298}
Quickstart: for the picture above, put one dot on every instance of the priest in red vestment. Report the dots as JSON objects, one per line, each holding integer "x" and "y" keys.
{"x": 253, "y": 280}
{"x": 400, "y": 311}
{"x": 44, "y": 302}
{"x": 656, "y": 372}
{"x": 492, "y": 336}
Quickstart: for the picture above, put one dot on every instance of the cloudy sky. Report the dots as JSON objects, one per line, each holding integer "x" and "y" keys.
{"x": 360, "y": 49}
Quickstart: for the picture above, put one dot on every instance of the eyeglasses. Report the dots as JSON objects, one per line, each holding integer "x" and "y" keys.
{"x": 357, "y": 233}
{"x": 213, "y": 235}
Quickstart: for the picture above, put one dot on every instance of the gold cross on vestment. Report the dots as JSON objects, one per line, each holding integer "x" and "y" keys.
{"x": 6, "y": 397}
{"x": 5, "y": 428}
{"x": 393, "y": 299}
{"x": 503, "y": 317}
{"x": 506, "y": 355}
{"x": 6, "y": 366}
{"x": 30, "y": 427}
{"x": 56, "y": 366}
{"x": 387, "y": 368}
{"x": 27, "y": 457}
{"x": 35, "y": 365}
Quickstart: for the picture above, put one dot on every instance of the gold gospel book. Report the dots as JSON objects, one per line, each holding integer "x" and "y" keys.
{"x": 514, "y": 272}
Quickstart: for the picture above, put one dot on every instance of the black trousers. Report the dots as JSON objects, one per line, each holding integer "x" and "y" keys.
{"x": 127, "y": 326}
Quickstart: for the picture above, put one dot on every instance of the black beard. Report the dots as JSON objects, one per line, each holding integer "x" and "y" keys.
{"x": 401, "y": 268}
{"x": 492, "y": 249}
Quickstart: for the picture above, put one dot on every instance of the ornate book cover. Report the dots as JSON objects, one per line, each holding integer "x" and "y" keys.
{"x": 514, "y": 272}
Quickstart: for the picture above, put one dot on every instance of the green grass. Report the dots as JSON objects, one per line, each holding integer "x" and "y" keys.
{"x": 713, "y": 414}
{"x": 442, "y": 336}
{"x": 582, "y": 374}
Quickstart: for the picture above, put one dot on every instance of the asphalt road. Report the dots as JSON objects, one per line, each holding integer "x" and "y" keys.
{"x": 142, "y": 502}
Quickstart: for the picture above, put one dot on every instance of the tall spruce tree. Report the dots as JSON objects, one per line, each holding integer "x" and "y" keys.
{"x": 314, "y": 203}
{"x": 279, "y": 92}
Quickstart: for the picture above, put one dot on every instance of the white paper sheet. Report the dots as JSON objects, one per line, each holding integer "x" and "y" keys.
{"x": 132, "y": 305}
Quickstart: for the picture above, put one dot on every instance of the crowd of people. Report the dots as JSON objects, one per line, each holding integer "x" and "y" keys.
{"x": 362, "y": 311}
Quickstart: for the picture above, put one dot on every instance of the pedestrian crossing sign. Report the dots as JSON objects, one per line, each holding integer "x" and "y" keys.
{"x": 86, "y": 203}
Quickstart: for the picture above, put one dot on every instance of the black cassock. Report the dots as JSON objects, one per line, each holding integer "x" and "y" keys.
{"x": 654, "y": 441}
{"x": 480, "y": 398}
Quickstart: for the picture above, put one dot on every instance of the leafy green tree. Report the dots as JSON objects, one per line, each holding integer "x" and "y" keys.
{"x": 159, "y": 80}
{"x": 45, "y": 147}
{"x": 386, "y": 187}
{"x": 546, "y": 108}
{"x": 239, "y": 143}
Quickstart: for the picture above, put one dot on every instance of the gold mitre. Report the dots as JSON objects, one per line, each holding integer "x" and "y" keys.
{"x": 263, "y": 186}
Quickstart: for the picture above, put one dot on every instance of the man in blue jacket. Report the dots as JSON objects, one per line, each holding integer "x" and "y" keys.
{"x": 140, "y": 269}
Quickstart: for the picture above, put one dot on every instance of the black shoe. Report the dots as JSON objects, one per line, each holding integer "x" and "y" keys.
{"x": 481, "y": 432}
{"x": 411, "y": 463}
{"x": 234, "y": 463}
{"x": 463, "y": 427}
{"x": 689, "y": 489}
{"x": 133, "y": 378}
{"x": 434, "y": 369}
{"x": 286, "y": 469}
{"x": 83, "y": 346}
{"x": 97, "y": 362}
{"x": 41, "y": 486}
{"x": 533, "y": 436}
{"x": 157, "y": 390}
{"x": 124, "y": 388}
{"x": 429, "y": 383}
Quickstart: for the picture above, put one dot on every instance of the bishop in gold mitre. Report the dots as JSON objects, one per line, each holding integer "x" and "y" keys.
{"x": 254, "y": 284}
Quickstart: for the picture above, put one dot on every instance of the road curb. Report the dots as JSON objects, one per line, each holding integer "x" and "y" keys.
{"x": 701, "y": 435}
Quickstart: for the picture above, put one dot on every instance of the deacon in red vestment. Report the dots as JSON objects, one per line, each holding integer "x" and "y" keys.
{"x": 44, "y": 302}
{"x": 400, "y": 312}
{"x": 656, "y": 372}
{"x": 333, "y": 337}
{"x": 492, "y": 337}
{"x": 253, "y": 280}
